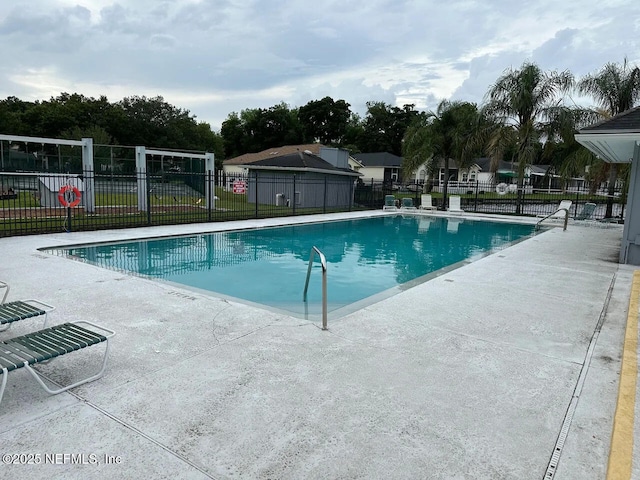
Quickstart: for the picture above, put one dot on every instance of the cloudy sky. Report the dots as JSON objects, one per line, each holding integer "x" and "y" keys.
{"x": 213, "y": 57}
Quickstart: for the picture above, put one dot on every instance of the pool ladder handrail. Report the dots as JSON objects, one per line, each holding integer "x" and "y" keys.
{"x": 566, "y": 218}
{"x": 323, "y": 262}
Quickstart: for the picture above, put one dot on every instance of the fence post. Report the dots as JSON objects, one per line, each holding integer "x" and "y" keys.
{"x": 88, "y": 169}
{"x": 294, "y": 193}
{"x": 148, "y": 195}
{"x": 373, "y": 200}
{"x": 519, "y": 196}
{"x": 255, "y": 176}
{"x": 475, "y": 206}
{"x": 352, "y": 193}
{"x": 210, "y": 190}
{"x": 142, "y": 182}
{"x": 69, "y": 229}
{"x": 324, "y": 201}
{"x": 575, "y": 211}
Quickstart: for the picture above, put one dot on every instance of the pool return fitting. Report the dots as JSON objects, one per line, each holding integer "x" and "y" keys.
{"x": 323, "y": 262}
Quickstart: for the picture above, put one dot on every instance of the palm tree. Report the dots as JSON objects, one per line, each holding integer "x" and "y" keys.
{"x": 568, "y": 157}
{"x": 520, "y": 102}
{"x": 449, "y": 132}
{"x": 615, "y": 88}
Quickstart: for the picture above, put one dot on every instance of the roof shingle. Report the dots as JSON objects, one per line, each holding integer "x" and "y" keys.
{"x": 273, "y": 152}
{"x": 627, "y": 121}
{"x": 300, "y": 161}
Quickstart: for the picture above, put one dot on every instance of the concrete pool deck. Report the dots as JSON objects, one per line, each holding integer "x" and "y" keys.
{"x": 469, "y": 375}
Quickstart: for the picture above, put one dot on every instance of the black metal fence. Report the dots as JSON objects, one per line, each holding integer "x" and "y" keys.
{"x": 489, "y": 197}
{"x": 31, "y": 203}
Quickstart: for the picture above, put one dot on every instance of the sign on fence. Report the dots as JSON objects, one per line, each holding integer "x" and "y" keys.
{"x": 239, "y": 187}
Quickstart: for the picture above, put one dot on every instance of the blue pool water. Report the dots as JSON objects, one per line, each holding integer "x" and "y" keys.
{"x": 367, "y": 258}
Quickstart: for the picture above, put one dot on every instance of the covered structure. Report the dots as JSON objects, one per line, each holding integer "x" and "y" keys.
{"x": 303, "y": 180}
{"x": 617, "y": 140}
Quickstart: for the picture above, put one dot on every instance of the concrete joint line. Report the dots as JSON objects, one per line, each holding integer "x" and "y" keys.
{"x": 552, "y": 467}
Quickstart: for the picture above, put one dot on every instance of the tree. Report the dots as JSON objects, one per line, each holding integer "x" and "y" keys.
{"x": 325, "y": 120}
{"x": 519, "y": 101}
{"x": 12, "y": 116}
{"x": 561, "y": 151}
{"x": 232, "y": 133}
{"x": 279, "y": 125}
{"x": 452, "y": 131}
{"x": 384, "y": 127}
{"x": 258, "y": 129}
{"x": 353, "y": 133}
{"x": 151, "y": 121}
{"x": 615, "y": 88}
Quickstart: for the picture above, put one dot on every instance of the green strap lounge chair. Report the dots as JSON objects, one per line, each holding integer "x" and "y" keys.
{"x": 587, "y": 211}
{"x": 407, "y": 204}
{"x": 389, "y": 202}
{"x": 21, "y": 309}
{"x": 47, "y": 344}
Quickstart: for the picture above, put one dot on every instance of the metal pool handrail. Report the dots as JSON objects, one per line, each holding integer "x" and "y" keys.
{"x": 566, "y": 218}
{"x": 323, "y": 262}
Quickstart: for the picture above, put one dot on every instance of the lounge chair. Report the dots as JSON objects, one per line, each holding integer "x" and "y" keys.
{"x": 407, "y": 204}
{"x": 559, "y": 212}
{"x": 389, "y": 203}
{"x": 49, "y": 343}
{"x": 426, "y": 202}
{"x": 454, "y": 204}
{"x": 20, "y": 309}
{"x": 587, "y": 211}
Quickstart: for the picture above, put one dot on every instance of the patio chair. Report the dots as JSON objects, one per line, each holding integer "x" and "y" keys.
{"x": 389, "y": 203}
{"x": 407, "y": 204}
{"x": 47, "y": 344}
{"x": 20, "y": 309}
{"x": 587, "y": 211}
{"x": 454, "y": 204}
{"x": 426, "y": 202}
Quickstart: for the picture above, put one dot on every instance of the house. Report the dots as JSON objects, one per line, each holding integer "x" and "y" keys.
{"x": 480, "y": 172}
{"x": 302, "y": 180}
{"x": 237, "y": 167}
{"x": 380, "y": 167}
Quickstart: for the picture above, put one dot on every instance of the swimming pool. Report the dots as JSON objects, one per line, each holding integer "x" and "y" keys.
{"x": 368, "y": 259}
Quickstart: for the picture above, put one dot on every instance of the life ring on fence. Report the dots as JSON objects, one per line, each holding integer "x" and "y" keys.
{"x": 62, "y": 199}
{"x": 502, "y": 188}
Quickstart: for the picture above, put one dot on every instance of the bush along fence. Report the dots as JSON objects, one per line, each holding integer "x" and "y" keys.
{"x": 32, "y": 203}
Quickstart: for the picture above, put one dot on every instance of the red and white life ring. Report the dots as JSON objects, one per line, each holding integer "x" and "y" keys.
{"x": 62, "y": 197}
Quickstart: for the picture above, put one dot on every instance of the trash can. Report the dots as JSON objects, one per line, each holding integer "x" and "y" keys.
{"x": 280, "y": 200}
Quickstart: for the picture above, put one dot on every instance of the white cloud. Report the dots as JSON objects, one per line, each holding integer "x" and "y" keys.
{"x": 217, "y": 56}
